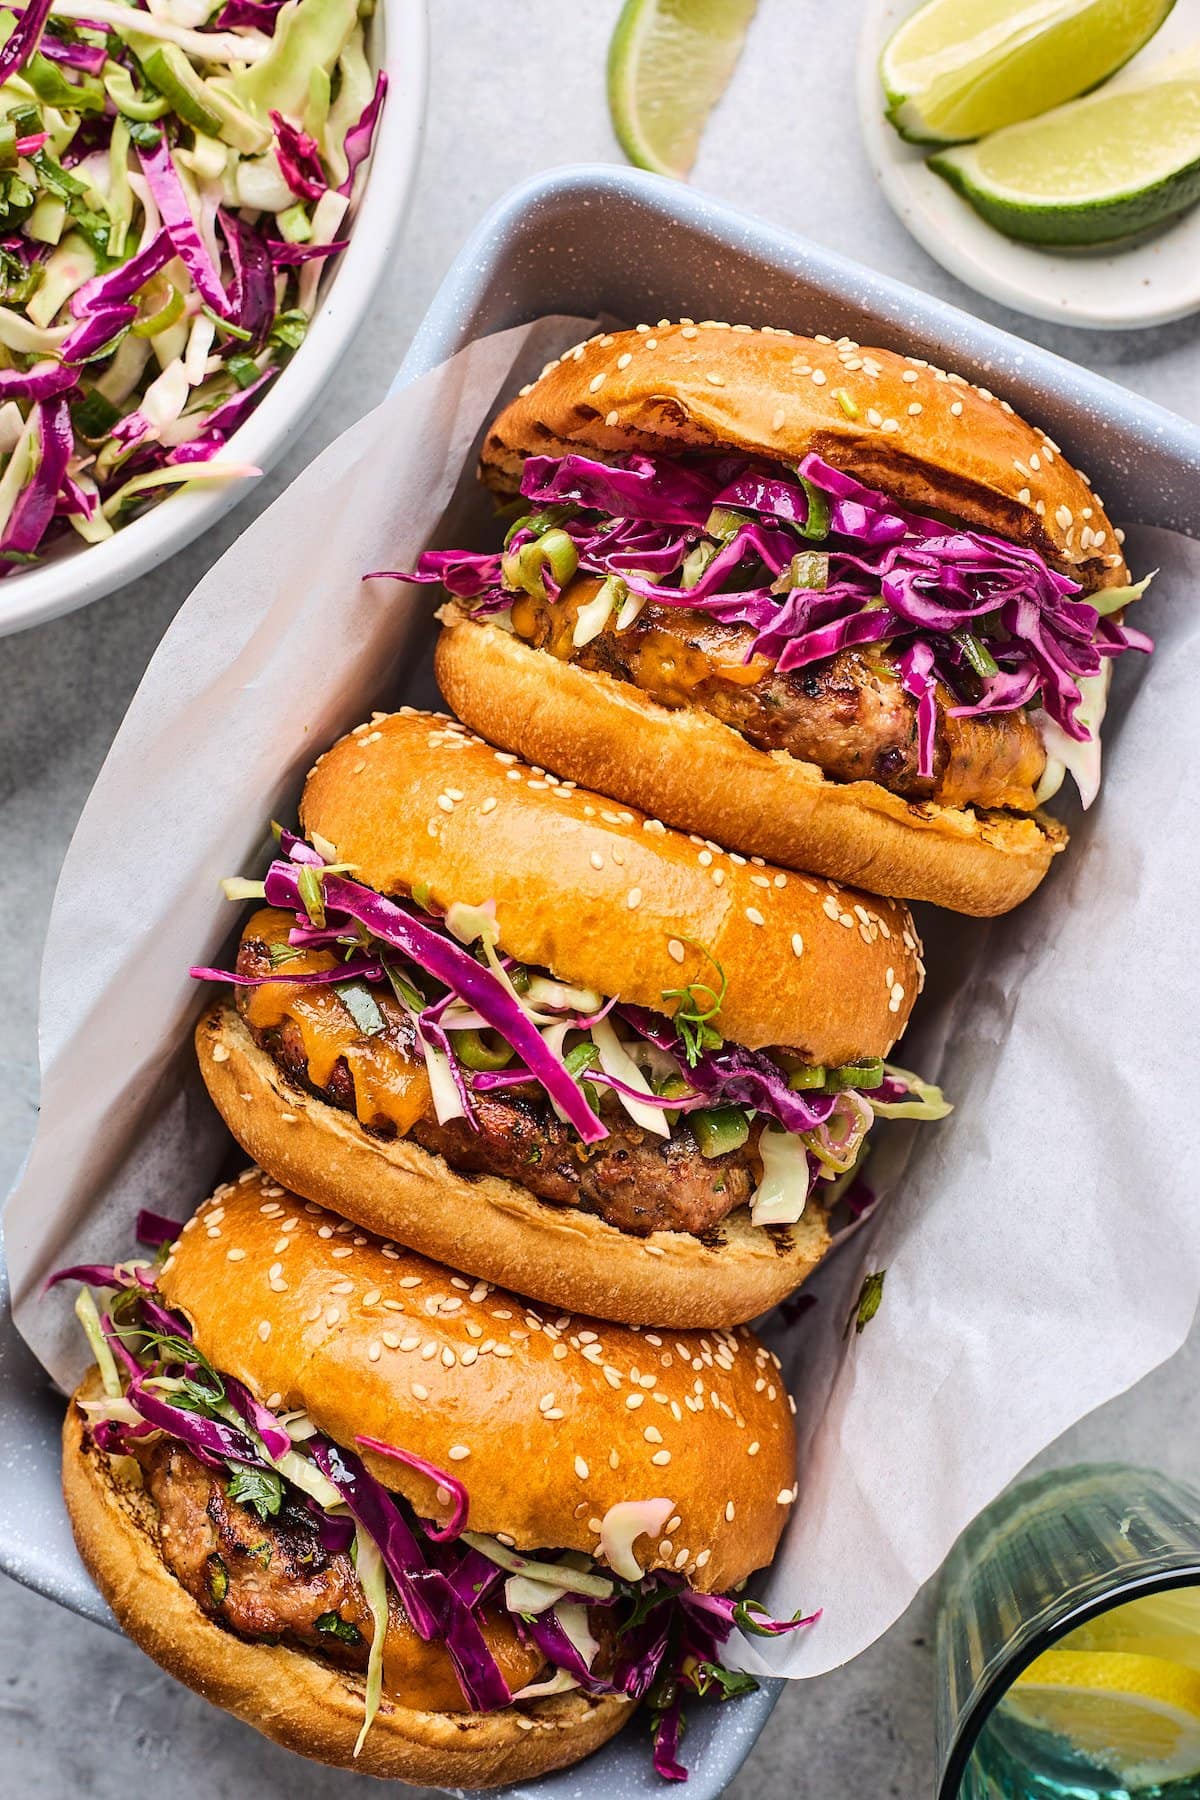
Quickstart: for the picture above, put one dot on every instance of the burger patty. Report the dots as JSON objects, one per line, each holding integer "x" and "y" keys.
{"x": 631, "y": 1179}
{"x": 634, "y": 1180}
{"x": 848, "y": 714}
{"x": 274, "y": 1582}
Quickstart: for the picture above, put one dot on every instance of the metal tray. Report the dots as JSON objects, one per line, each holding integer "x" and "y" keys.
{"x": 591, "y": 240}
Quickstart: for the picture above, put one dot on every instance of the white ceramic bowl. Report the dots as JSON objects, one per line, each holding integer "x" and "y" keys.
{"x": 1144, "y": 283}
{"x": 83, "y": 574}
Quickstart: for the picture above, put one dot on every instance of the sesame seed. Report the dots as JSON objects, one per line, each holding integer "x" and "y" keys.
{"x": 264, "y": 1330}
{"x": 459, "y": 1452}
{"x": 220, "y": 1053}
{"x": 874, "y": 417}
{"x": 633, "y": 1401}
{"x": 633, "y": 898}
{"x": 716, "y": 380}
{"x": 490, "y": 804}
{"x": 652, "y": 1435}
{"x": 777, "y": 421}
{"x": 661, "y": 1458}
{"x": 909, "y": 375}
{"x": 818, "y": 378}
{"x": 754, "y": 1448}
{"x": 754, "y": 916}
{"x": 675, "y": 950}
{"x": 597, "y": 382}
{"x": 581, "y": 1468}
{"x": 729, "y": 1511}
{"x": 1063, "y": 517}
{"x": 956, "y": 409}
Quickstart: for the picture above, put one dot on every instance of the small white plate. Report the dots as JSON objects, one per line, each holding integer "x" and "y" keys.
{"x": 1146, "y": 284}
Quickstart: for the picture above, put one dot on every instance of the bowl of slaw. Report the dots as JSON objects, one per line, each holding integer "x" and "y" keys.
{"x": 198, "y": 199}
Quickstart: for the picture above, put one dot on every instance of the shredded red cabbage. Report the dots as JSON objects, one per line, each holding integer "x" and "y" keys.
{"x": 283, "y": 254}
{"x": 113, "y": 1275}
{"x": 348, "y": 971}
{"x": 357, "y": 144}
{"x": 42, "y": 382}
{"x": 252, "y": 289}
{"x": 35, "y": 504}
{"x": 125, "y": 280}
{"x": 455, "y": 1488}
{"x": 299, "y": 158}
{"x": 159, "y": 169}
{"x": 893, "y": 576}
{"x": 155, "y": 1230}
{"x": 448, "y": 963}
{"x": 23, "y": 38}
{"x": 735, "y": 1076}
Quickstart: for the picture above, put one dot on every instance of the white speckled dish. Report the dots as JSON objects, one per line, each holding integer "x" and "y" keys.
{"x": 1148, "y": 283}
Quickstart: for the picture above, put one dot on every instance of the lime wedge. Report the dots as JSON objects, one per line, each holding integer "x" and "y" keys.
{"x": 1122, "y": 161}
{"x": 668, "y": 64}
{"x": 959, "y": 68}
{"x": 1135, "y": 1716}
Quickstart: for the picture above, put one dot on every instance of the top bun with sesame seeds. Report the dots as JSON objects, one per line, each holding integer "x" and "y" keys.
{"x": 371, "y": 1340}
{"x": 633, "y": 1210}
{"x": 824, "y": 767}
{"x": 709, "y": 386}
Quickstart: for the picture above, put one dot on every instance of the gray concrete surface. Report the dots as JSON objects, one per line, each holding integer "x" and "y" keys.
{"x": 514, "y": 89}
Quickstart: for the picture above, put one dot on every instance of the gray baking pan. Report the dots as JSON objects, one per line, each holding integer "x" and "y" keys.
{"x": 603, "y": 240}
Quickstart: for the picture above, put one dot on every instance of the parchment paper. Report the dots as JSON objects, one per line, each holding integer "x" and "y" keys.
{"x": 1043, "y": 1249}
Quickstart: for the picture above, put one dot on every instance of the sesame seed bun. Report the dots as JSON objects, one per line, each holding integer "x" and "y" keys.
{"x": 548, "y": 1418}
{"x": 698, "y": 773}
{"x": 611, "y": 899}
{"x": 711, "y": 386}
{"x": 490, "y": 1226}
{"x": 930, "y": 439}
{"x": 298, "y": 1701}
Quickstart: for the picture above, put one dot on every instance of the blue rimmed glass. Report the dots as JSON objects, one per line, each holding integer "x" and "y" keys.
{"x": 1048, "y": 1556}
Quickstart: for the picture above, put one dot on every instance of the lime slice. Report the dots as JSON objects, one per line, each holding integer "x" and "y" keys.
{"x": 1121, "y": 161}
{"x": 668, "y": 64}
{"x": 1135, "y": 1716}
{"x": 960, "y": 68}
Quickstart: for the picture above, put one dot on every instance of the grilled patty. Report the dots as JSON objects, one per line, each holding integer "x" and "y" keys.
{"x": 632, "y": 1179}
{"x": 849, "y": 714}
{"x": 275, "y": 1583}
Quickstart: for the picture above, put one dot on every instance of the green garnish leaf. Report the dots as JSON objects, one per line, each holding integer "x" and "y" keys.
{"x": 700, "y": 1002}
{"x": 867, "y": 1305}
{"x": 728, "y": 1683}
{"x": 244, "y": 369}
{"x": 260, "y": 1488}
{"x": 332, "y": 1624}
{"x": 403, "y": 989}
{"x": 288, "y": 331}
{"x": 308, "y": 880}
{"x": 218, "y": 1578}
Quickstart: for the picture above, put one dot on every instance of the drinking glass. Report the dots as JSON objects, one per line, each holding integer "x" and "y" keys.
{"x": 1044, "y": 1559}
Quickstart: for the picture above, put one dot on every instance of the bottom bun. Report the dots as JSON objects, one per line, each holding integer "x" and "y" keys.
{"x": 488, "y": 1226}
{"x": 290, "y": 1697}
{"x": 690, "y": 770}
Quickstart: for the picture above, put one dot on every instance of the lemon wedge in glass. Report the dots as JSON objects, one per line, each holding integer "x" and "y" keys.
{"x": 1135, "y": 1716}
